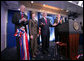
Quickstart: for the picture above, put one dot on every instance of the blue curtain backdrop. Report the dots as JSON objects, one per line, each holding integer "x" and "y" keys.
{"x": 11, "y": 40}
{"x": 29, "y": 16}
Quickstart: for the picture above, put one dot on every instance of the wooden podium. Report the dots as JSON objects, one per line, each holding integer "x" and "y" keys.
{"x": 69, "y": 41}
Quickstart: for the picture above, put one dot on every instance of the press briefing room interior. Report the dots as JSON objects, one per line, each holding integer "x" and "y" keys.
{"x": 41, "y": 30}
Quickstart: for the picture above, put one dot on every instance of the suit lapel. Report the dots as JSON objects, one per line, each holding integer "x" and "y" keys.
{"x": 44, "y": 20}
{"x": 19, "y": 15}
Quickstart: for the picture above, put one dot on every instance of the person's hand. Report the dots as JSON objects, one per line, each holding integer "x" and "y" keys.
{"x": 37, "y": 35}
{"x": 42, "y": 24}
{"x": 61, "y": 21}
{"x": 31, "y": 37}
{"x": 23, "y": 19}
{"x": 39, "y": 30}
{"x": 54, "y": 24}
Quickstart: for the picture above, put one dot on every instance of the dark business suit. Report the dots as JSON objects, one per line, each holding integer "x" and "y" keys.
{"x": 56, "y": 30}
{"x": 15, "y": 20}
{"x": 45, "y": 33}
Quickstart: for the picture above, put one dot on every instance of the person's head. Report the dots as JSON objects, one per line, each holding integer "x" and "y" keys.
{"x": 56, "y": 17}
{"x": 33, "y": 15}
{"x": 22, "y": 8}
{"x": 44, "y": 14}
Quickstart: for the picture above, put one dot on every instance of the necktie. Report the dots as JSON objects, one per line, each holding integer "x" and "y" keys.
{"x": 46, "y": 21}
{"x": 22, "y": 15}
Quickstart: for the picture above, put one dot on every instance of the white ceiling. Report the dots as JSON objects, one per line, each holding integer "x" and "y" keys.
{"x": 14, "y": 5}
{"x": 79, "y": 3}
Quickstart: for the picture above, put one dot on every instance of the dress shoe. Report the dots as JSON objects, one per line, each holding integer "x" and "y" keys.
{"x": 44, "y": 52}
{"x": 34, "y": 56}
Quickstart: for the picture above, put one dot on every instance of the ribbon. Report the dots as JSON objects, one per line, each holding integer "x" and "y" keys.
{"x": 24, "y": 48}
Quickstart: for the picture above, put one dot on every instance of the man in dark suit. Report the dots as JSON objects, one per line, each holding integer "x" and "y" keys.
{"x": 20, "y": 20}
{"x": 44, "y": 24}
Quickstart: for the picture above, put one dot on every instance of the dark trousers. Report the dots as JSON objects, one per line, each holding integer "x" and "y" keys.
{"x": 45, "y": 42}
{"x": 38, "y": 40}
{"x": 56, "y": 36}
{"x": 18, "y": 47}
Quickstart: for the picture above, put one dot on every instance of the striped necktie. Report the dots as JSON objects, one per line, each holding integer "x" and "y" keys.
{"x": 46, "y": 21}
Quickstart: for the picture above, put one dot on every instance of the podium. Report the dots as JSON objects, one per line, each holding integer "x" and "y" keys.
{"x": 69, "y": 41}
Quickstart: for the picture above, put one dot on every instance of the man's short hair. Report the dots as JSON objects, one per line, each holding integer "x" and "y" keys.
{"x": 22, "y": 5}
{"x": 33, "y": 12}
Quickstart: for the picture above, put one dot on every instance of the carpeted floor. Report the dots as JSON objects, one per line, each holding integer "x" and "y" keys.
{"x": 11, "y": 54}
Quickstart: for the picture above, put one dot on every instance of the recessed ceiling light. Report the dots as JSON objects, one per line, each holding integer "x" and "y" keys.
{"x": 18, "y": 8}
{"x": 67, "y": 10}
{"x": 43, "y": 4}
{"x": 61, "y": 9}
{"x": 69, "y": 1}
{"x": 80, "y": 3}
{"x": 32, "y": 1}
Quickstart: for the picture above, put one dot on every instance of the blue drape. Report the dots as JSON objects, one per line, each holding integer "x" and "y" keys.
{"x": 11, "y": 40}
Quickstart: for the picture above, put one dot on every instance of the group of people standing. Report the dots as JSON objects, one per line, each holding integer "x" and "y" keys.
{"x": 20, "y": 20}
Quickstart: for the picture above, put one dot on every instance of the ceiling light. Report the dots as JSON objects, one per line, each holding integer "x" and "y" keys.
{"x": 61, "y": 9}
{"x": 51, "y": 7}
{"x": 69, "y": 1}
{"x": 18, "y": 8}
{"x": 32, "y": 1}
{"x": 67, "y": 10}
{"x": 80, "y": 3}
{"x": 43, "y": 4}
